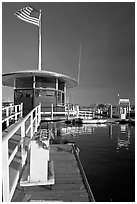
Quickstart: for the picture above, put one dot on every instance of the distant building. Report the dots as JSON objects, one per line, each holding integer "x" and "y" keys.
{"x": 115, "y": 111}
{"x": 124, "y": 108}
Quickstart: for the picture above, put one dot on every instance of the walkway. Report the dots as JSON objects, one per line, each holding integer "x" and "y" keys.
{"x": 68, "y": 186}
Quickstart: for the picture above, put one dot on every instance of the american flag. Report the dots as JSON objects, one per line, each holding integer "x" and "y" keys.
{"x": 29, "y": 15}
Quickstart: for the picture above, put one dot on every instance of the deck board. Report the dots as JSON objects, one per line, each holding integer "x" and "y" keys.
{"x": 68, "y": 187}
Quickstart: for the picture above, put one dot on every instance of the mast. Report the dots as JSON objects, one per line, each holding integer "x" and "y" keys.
{"x": 39, "y": 51}
{"x": 79, "y": 63}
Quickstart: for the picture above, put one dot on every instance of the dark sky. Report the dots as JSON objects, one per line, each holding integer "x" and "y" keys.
{"x": 106, "y": 31}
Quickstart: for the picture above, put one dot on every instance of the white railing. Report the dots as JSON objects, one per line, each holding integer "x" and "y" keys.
{"x": 26, "y": 128}
{"x": 68, "y": 113}
{"x": 86, "y": 114}
{"x": 11, "y": 113}
{"x": 52, "y": 114}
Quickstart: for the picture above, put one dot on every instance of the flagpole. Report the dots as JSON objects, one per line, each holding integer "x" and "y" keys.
{"x": 39, "y": 54}
{"x": 79, "y": 63}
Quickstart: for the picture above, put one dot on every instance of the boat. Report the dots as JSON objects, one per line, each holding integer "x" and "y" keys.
{"x": 94, "y": 121}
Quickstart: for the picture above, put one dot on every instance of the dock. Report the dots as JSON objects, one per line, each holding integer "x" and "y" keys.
{"x": 69, "y": 184}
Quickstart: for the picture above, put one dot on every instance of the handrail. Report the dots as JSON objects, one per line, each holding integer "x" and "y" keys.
{"x": 35, "y": 118}
{"x": 86, "y": 114}
{"x": 75, "y": 112}
{"x": 81, "y": 114}
{"x": 67, "y": 112}
{"x": 11, "y": 112}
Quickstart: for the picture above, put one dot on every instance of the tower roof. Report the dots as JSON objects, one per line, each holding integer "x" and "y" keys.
{"x": 8, "y": 78}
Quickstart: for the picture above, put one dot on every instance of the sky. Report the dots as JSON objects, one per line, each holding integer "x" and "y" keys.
{"x": 106, "y": 31}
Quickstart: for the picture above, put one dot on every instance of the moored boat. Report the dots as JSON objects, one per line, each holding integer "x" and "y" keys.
{"x": 94, "y": 121}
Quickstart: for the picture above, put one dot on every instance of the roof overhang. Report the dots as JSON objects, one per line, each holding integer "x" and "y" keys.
{"x": 8, "y": 79}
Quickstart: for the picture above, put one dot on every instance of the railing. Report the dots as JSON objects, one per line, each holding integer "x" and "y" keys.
{"x": 86, "y": 114}
{"x": 68, "y": 112}
{"x": 11, "y": 113}
{"x": 25, "y": 128}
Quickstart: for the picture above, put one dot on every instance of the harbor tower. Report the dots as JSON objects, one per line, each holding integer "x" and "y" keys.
{"x": 38, "y": 86}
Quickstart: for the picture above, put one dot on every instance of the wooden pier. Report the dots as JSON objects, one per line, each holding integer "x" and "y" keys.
{"x": 69, "y": 184}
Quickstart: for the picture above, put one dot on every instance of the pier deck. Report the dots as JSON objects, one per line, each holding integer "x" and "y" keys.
{"x": 68, "y": 187}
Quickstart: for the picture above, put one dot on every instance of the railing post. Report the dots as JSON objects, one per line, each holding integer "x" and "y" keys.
{"x": 65, "y": 97}
{"x": 7, "y": 114}
{"x": 15, "y": 112}
{"x": 31, "y": 122}
{"x": 68, "y": 112}
{"x": 77, "y": 111}
{"x": 39, "y": 114}
{"x": 21, "y": 110}
{"x": 5, "y": 171}
{"x": 51, "y": 111}
{"x": 36, "y": 125}
{"x": 22, "y": 143}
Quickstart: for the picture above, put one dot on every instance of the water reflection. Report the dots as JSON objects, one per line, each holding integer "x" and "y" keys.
{"x": 76, "y": 130}
{"x": 123, "y": 137}
{"x": 107, "y": 155}
{"x": 110, "y": 131}
{"x": 62, "y": 133}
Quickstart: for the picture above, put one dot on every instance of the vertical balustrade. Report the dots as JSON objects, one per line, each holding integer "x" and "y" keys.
{"x": 31, "y": 121}
{"x": 5, "y": 171}
{"x": 7, "y": 114}
{"x": 22, "y": 143}
{"x": 21, "y": 110}
{"x": 11, "y": 112}
{"x": 51, "y": 111}
{"x": 68, "y": 112}
{"x": 16, "y": 113}
{"x": 36, "y": 113}
{"x": 7, "y": 192}
{"x": 39, "y": 114}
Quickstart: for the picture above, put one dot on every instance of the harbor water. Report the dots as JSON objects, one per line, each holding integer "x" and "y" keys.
{"x": 107, "y": 153}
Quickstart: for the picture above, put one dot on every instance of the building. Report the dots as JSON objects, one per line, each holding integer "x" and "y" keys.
{"x": 33, "y": 87}
{"x": 124, "y": 108}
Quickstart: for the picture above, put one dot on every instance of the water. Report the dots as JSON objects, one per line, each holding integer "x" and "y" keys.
{"x": 107, "y": 153}
{"x": 109, "y": 162}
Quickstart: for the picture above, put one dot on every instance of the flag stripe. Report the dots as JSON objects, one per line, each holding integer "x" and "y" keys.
{"x": 27, "y": 16}
{"x": 24, "y": 14}
{"x": 21, "y": 16}
{"x": 29, "y": 9}
{"x": 27, "y": 20}
{"x": 25, "y": 11}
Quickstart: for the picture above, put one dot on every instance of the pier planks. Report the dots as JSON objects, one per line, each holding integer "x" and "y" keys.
{"x": 68, "y": 186}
